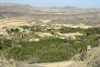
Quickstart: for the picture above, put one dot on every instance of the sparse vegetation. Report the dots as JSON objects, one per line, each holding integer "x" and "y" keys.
{"x": 50, "y": 49}
{"x": 9, "y": 31}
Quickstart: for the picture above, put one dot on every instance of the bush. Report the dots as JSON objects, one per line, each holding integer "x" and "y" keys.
{"x": 33, "y": 60}
{"x": 17, "y": 30}
{"x": 52, "y": 33}
{"x": 1, "y": 47}
{"x": 87, "y": 33}
{"x": 52, "y": 46}
{"x": 12, "y": 30}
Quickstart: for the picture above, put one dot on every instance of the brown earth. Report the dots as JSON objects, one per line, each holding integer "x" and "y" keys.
{"x": 88, "y": 59}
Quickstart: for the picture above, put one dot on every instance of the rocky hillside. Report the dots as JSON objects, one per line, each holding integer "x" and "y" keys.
{"x": 16, "y": 8}
{"x": 31, "y": 14}
{"x": 7, "y": 15}
{"x": 88, "y": 59}
{"x": 90, "y": 19}
{"x": 8, "y": 63}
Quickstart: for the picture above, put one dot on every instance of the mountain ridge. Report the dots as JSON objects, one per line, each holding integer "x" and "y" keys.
{"x": 27, "y": 8}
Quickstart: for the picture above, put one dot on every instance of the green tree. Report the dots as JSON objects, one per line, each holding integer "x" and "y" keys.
{"x": 12, "y": 30}
{"x": 17, "y": 30}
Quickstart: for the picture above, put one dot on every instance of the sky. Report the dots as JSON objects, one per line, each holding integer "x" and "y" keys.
{"x": 57, "y": 3}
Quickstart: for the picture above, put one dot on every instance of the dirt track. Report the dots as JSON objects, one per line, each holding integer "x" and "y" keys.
{"x": 55, "y": 64}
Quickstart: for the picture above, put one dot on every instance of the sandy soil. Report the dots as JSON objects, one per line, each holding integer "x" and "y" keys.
{"x": 69, "y": 34}
{"x": 70, "y": 25}
{"x": 18, "y": 23}
{"x": 34, "y": 39}
{"x": 10, "y": 23}
{"x": 2, "y": 31}
{"x": 66, "y": 35}
{"x": 45, "y": 21}
{"x": 55, "y": 64}
{"x": 41, "y": 34}
{"x": 33, "y": 23}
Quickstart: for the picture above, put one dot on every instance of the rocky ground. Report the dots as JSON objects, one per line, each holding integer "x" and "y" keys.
{"x": 89, "y": 19}
{"x": 88, "y": 59}
{"x": 8, "y": 63}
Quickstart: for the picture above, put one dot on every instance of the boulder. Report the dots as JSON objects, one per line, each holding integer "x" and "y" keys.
{"x": 18, "y": 46}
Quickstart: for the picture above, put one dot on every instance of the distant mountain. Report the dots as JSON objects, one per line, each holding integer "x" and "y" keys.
{"x": 24, "y": 8}
{"x": 9, "y": 5}
{"x": 70, "y": 7}
{"x": 55, "y": 7}
{"x": 56, "y": 15}
{"x": 67, "y": 7}
{"x": 19, "y": 8}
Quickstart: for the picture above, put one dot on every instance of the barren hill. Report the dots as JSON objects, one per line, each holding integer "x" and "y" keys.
{"x": 18, "y": 8}
{"x": 70, "y": 7}
{"x": 90, "y": 19}
{"x": 59, "y": 16}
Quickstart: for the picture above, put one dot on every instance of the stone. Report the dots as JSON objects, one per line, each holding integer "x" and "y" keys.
{"x": 52, "y": 46}
{"x": 70, "y": 37}
{"x": 18, "y": 46}
{"x": 2, "y": 42}
{"x": 17, "y": 41}
{"x": 33, "y": 60}
{"x": 88, "y": 48}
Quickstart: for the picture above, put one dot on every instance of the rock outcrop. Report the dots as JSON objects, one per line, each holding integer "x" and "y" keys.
{"x": 89, "y": 59}
{"x": 8, "y": 63}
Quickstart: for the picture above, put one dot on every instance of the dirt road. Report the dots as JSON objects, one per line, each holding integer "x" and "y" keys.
{"x": 54, "y": 64}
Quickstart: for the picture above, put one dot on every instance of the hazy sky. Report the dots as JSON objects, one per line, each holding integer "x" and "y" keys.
{"x": 58, "y": 3}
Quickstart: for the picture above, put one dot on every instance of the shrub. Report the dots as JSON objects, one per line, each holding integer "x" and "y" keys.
{"x": 49, "y": 29}
{"x": 52, "y": 46}
{"x": 87, "y": 33}
{"x": 33, "y": 60}
{"x": 17, "y": 30}
{"x": 1, "y": 47}
{"x": 12, "y": 30}
{"x": 52, "y": 33}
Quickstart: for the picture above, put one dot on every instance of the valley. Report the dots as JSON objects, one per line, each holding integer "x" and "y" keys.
{"x": 44, "y": 37}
